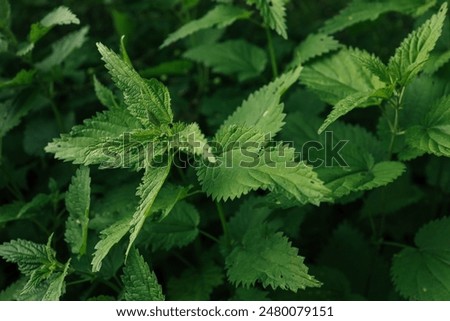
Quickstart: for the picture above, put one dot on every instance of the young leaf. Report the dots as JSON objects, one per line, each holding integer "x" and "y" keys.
{"x": 148, "y": 101}
{"x": 152, "y": 182}
{"x": 273, "y": 13}
{"x": 140, "y": 283}
{"x": 313, "y": 46}
{"x": 177, "y": 229}
{"x": 63, "y": 48}
{"x": 219, "y": 17}
{"x": 269, "y": 258}
{"x": 56, "y": 285}
{"x": 414, "y": 51}
{"x": 432, "y": 135}
{"x": 262, "y": 110}
{"x": 104, "y": 95}
{"x": 109, "y": 237}
{"x": 60, "y": 16}
{"x": 78, "y": 199}
{"x": 430, "y": 277}
{"x": 27, "y": 255}
{"x": 231, "y": 57}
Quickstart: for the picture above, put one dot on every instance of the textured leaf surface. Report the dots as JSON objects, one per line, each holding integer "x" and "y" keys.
{"x": 177, "y": 229}
{"x": 78, "y": 199}
{"x": 432, "y": 135}
{"x": 219, "y": 17}
{"x": 262, "y": 110}
{"x": 148, "y": 101}
{"x": 430, "y": 277}
{"x": 313, "y": 46}
{"x": 414, "y": 51}
{"x": 140, "y": 283}
{"x": 152, "y": 182}
{"x": 339, "y": 76}
{"x": 273, "y": 13}
{"x": 231, "y": 57}
{"x": 268, "y": 258}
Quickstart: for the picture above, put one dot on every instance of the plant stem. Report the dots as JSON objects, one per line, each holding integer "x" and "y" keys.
{"x": 404, "y": 246}
{"x": 397, "y": 105}
{"x": 273, "y": 60}
{"x": 212, "y": 238}
{"x": 223, "y": 222}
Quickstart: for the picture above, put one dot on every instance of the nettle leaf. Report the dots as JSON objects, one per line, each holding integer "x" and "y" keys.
{"x": 99, "y": 140}
{"x": 62, "y": 48}
{"x": 432, "y": 134}
{"x": 414, "y": 51}
{"x": 28, "y": 255}
{"x": 231, "y": 57}
{"x": 268, "y": 257}
{"x": 314, "y": 45}
{"x": 140, "y": 283}
{"x": 436, "y": 61}
{"x": 358, "y": 11}
{"x": 105, "y": 95}
{"x": 262, "y": 110}
{"x": 273, "y": 13}
{"x": 147, "y": 100}
{"x": 60, "y": 16}
{"x": 22, "y": 78}
{"x": 430, "y": 277}
{"x": 109, "y": 237}
{"x": 152, "y": 181}
{"x": 340, "y": 76}
{"x": 241, "y": 170}
{"x": 11, "y": 115}
{"x": 219, "y": 17}
{"x": 78, "y": 199}
{"x": 177, "y": 229}
{"x": 195, "y": 284}
{"x": 190, "y": 139}
{"x": 55, "y": 285}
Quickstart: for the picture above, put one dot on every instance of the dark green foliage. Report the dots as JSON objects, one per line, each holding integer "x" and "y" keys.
{"x": 225, "y": 150}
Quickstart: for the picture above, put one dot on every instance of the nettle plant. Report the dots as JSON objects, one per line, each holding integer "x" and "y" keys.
{"x": 237, "y": 200}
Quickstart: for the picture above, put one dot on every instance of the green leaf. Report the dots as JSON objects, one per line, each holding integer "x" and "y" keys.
{"x": 22, "y": 78}
{"x": 340, "y": 76}
{"x": 314, "y": 45}
{"x": 140, "y": 283}
{"x": 109, "y": 237}
{"x": 231, "y": 57}
{"x": 27, "y": 255}
{"x": 436, "y": 61}
{"x": 60, "y": 16}
{"x": 11, "y": 115}
{"x": 56, "y": 285}
{"x": 430, "y": 277}
{"x": 346, "y": 105}
{"x": 358, "y": 11}
{"x": 219, "y": 17}
{"x": 78, "y": 199}
{"x": 12, "y": 292}
{"x": 245, "y": 168}
{"x": 104, "y": 95}
{"x": 62, "y": 48}
{"x": 147, "y": 100}
{"x": 190, "y": 139}
{"x": 177, "y": 229}
{"x": 414, "y": 51}
{"x": 269, "y": 258}
{"x": 273, "y": 13}
{"x": 432, "y": 134}
{"x": 153, "y": 180}
{"x": 99, "y": 140}
{"x": 262, "y": 110}
{"x": 195, "y": 284}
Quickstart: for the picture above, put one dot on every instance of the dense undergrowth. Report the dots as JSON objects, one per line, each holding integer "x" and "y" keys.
{"x": 230, "y": 150}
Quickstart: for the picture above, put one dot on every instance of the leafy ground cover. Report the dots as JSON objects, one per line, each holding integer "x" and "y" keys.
{"x": 224, "y": 150}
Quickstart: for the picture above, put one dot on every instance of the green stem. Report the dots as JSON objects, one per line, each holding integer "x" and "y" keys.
{"x": 395, "y": 130}
{"x": 403, "y": 246}
{"x": 223, "y": 221}
{"x": 212, "y": 238}
{"x": 273, "y": 60}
